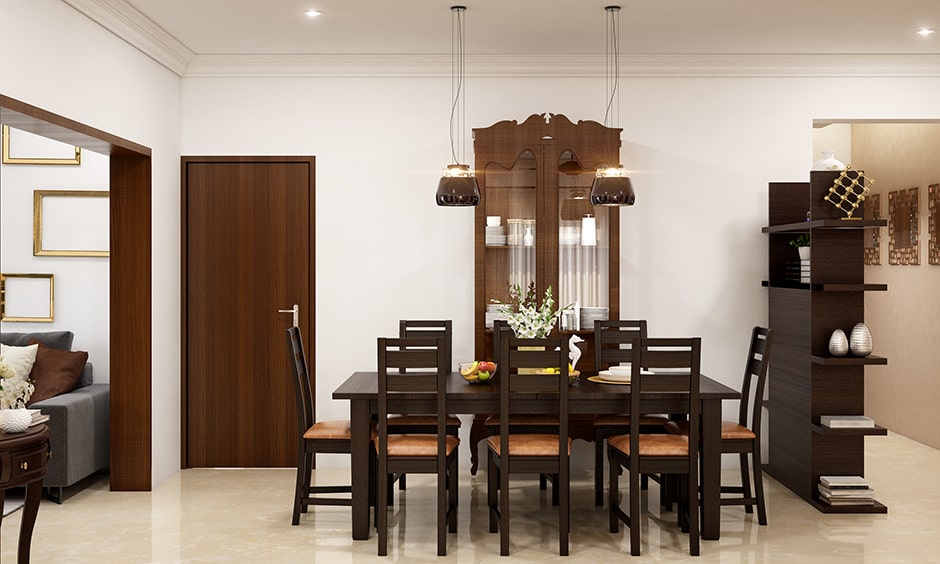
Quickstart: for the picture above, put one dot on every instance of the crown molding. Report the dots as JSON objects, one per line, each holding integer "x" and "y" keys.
{"x": 126, "y": 22}
{"x": 647, "y": 65}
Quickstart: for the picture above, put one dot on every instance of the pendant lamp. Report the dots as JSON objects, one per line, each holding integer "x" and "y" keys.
{"x": 612, "y": 186}
{"x": 458, "y": 186}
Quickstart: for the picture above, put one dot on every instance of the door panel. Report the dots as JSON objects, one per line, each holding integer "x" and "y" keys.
{"x": 248, "y": 252}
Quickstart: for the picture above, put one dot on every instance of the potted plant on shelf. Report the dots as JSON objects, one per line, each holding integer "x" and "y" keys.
{"x": 801, "y": 242}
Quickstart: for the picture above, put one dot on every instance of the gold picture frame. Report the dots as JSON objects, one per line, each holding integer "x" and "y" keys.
{"x": 71, "y": 229}
{"x": 8, "y": 159}
{"x": 32, "y": 286}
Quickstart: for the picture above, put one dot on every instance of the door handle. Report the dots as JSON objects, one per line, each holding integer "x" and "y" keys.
{"x": 296, "y": 314}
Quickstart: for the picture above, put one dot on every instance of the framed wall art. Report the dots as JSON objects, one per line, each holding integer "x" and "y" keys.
{"x": 903, "y": 233}
{"x": 872, "y": 247}
{"x": 27, "y": 297}
{"x": 71, "y": 223}
{"x": 933, "y": 205}
{"x": 24, "y": 148}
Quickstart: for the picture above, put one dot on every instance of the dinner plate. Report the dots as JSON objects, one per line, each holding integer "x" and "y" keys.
{"x": 609, "y": 376}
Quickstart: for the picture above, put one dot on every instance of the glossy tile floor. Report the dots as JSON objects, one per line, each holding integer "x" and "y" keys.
{"x": 244, "y": 516}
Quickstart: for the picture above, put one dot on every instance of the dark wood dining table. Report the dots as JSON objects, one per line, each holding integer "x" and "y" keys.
{"x": 361, "y": 389}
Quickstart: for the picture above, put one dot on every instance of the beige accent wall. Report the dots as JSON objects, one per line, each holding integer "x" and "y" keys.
{"x": 904, "y": 321}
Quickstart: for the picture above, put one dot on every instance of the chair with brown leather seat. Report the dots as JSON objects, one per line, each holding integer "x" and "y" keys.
{"x": 430, "y": 453}
{"x": 742, "y": 437}
{"x": 612, "y": 341}
{"x": 529, "y": 453}
{"x": 414, "y": 423}
{"x": 313, "y": 436}
{"x": 672, "y": 456}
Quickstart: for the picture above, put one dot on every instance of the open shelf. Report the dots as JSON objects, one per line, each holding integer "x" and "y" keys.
{"x": 826, "y": 508}
{"x": 849, "y": 431}
{"x": 848, "y": 360}
{"x": 825, "y": 287}
{"x": 806, "y": 226}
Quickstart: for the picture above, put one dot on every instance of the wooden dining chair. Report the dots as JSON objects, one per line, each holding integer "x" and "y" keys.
{"x": 742, "y": 437}
{"x": 313, "y": 436}
{"x": 512, "y": 452}
{"x": 670, "y": 455}
{"x": 415, "y": 423}
{"x": 434, "y": 452}
{"x": 612, "y": 341}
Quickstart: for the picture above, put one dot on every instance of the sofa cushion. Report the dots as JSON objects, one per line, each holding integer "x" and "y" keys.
{"x": 55, "y": 339}
{"x": 20, "y": 358}
{"x": 55, "y": 371}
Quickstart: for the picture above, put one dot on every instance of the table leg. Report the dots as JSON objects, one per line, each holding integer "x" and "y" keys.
{"x": 711, "y": 469}
{"x": 30, "y": 510}
{"x": 360, "y": 425}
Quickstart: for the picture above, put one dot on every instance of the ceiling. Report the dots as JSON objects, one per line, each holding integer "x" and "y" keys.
{"x": 540, "y": 27}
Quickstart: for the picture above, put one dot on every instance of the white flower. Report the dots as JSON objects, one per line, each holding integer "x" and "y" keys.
{"x": 528, "y": 319}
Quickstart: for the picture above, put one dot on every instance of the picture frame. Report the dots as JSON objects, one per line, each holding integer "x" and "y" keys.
{"x": 23, "y": 298}
{"x": 903, "y": 227}
{"x": 71, "y": 223}
{"x": 71, "y": 157}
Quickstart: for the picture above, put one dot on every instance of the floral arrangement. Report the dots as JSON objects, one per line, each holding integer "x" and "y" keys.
{"x": 527, "y": 318}
{"x": 14, "y": 391}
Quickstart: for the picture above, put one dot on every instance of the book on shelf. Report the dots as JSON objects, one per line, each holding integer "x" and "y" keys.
{"x": 37, "y": 417}
{"x": 846, "y": 421}
{"x": 836, "y": 501}
{"x": 846, "y": 492}
{"x": 844, "y": 482}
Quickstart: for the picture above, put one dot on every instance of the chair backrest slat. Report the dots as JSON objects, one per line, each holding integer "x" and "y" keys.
{"x": 613, "y": 339}
{"x": 432, "y": 328}
{"x": 303, "y": 390}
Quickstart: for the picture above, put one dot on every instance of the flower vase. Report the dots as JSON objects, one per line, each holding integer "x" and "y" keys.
{"x": 15, "y": 420}
{"x": 828, "y": 162}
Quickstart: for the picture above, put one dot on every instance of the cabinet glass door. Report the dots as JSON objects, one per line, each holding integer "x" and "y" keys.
{"x": 583, "y": 238}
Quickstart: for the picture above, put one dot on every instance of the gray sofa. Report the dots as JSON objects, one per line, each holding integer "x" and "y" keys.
{"x": 78, "y": 420}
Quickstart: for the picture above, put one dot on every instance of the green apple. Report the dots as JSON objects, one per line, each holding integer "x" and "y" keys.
{"x": 483, "y": 375}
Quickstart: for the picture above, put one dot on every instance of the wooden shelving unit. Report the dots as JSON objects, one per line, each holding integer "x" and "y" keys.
{"x": 805, "y": 381}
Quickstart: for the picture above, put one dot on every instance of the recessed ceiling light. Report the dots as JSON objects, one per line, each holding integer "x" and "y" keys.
{"x": 313, "y": 13}
{"x": 924, "y": 32}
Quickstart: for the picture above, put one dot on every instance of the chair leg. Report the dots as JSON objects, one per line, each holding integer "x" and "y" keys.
{"x": 452, "y": 493}
{"x": 634, "y": 514}
{"x": 442, "y": 504}
{"x": 759, "y": 486}
{"x": 504, "y": 507}
{"x": 401, "y": 482}
{"x": 613, "y": 494}
{"x": 384, "y": 485}
{"x": 543, "y": 482}
{"x": 308, "y": 474}
{"x": 300, "y": 490}
{"x": 598, "y": 468}
{"x": 555, "y": 497}
{"x": 562, "y": 484}
{"x": 745, "y": 482}
{"x": 492, "y": 484}
{"x": 390, "y": 495}
{"x": 693, "y": 515}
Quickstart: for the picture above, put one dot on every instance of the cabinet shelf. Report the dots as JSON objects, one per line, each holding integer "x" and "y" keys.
{"x": 849, "y": 431}
{"x": 826, "y": 508}
{"x": 825, "y": 287}
{"x": 848, "y": 360}
{"x": 806, "y": 226}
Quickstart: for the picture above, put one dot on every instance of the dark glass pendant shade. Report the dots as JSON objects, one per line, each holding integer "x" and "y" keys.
{"x": 458, "y": 187}
{"x": 612, "y": 187}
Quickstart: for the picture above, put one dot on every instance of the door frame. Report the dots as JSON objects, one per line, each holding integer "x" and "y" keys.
{"x": 131, "y": 337}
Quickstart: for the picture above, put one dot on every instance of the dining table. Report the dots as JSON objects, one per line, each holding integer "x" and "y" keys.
{"x": 585, "y": 397}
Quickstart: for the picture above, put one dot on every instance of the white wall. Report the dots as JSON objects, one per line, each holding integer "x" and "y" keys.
{"x": 693, "y": 257}
{"x": 81, "y": 283}
{"x": 61, "y": 61}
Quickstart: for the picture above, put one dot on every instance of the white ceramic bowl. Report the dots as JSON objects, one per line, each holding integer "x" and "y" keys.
{"x": 622, "y": 371}
{"x": 493, "y": 220}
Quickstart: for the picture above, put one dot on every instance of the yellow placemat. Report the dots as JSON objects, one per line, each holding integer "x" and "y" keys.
{"x": 600, "y": 380}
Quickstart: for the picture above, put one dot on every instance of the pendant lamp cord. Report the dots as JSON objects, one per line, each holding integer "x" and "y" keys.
{"x": 458, "y": 110}
{"x": 613, "y": 69}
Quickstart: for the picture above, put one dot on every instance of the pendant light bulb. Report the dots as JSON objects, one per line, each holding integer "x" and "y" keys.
{"x": 458, "y": 185}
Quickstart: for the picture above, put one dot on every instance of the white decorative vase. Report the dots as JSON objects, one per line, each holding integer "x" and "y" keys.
{"x": 14, "y": 420}
{"x": 838, "y": 343}
{"x": 828, "y": 162}
{"x": 804, "y": 252}
{"x": 860, "y": 340}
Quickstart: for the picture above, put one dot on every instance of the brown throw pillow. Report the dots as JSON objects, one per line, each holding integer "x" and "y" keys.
{"x": 55, "y": 371}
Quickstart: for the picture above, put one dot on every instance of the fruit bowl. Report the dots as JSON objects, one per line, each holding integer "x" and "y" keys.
{"x": 478, "y": 371}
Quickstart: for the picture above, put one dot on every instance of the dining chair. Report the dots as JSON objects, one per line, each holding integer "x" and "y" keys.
{"x": 612, "y": 341}
{"x": 414, "y": 423}
{"x": 313, "y": 436}
{"x": 433, "y": 452}
{"x": 513, "y": 452}
{"x": 742, "y": 437}
{"x": 670, "y": 455}
{"x": 520, "y": 422}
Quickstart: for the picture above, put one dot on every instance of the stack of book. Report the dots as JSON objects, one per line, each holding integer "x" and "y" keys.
{"x": 37, "y": 417}
{"x": 797, "y": 271}
{"x": 846, "y": 421}
{"x": 845, "y": 490}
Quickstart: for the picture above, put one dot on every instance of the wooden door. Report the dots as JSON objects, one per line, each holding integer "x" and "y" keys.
{"x": 248, "y": 242}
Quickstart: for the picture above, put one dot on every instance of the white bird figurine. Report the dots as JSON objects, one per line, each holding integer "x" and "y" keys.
{"x": 574, "y": 353}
